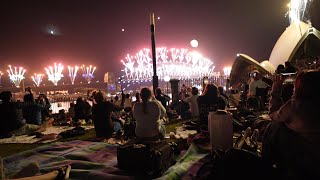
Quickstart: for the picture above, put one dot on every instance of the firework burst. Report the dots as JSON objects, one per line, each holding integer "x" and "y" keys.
{"x": 54, "y": 73}
{"x": 88, "y": 72}
{"x": 175, "y": 63}
{"x": 37, "y": 79}
{"x": 16, "y": 75}
{"x": 297, "y": 9}
{"x": 73, "y": 73}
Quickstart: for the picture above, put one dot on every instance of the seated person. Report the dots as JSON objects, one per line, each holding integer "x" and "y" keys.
{"x": 12, "y": 118}
{"x": 149, "y": 115}
{"x": 292, "y": 141}
{"x": 32, "y": 109}
{"x": 101, "y": 113}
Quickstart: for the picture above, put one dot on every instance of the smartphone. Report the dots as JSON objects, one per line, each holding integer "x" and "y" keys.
{"x": 289, "y": 78}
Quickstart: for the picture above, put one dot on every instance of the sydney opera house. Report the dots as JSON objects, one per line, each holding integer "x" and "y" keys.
{"x": 298, "y": 44}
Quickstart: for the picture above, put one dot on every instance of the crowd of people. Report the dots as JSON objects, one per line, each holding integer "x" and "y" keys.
{"x": 291, "y": 140}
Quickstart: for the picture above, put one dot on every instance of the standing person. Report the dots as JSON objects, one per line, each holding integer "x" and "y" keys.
{"x": 101, "y": 113}
{"x": 138, "y": 98}
{"x": 193, "y": 102}
{"x": 149, "y": 115}
{"x": 292, "y": 141}
{"x": 209, "y": 101}
{"x": 161, "y": 97}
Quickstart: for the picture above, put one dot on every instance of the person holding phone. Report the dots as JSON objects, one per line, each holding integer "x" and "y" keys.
{"x": 256, "y": 82}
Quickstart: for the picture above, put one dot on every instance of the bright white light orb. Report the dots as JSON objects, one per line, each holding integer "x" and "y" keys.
{"x": 194, "y": 43}
{"x": 158, "y": 17}
{"x": 51, "y": 32}
{"x": 122, "y": 30}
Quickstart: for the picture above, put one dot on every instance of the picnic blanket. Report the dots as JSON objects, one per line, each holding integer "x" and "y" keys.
{"x": 91, "y": 160}
{"x": 26, "y": 139}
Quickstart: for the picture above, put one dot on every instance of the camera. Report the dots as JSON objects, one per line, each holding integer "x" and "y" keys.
{"x": 253, "y": 74}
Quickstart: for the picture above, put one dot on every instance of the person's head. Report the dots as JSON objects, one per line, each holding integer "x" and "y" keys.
{"x": 194, "y": 91}
{"x": 145, "y": 97}
{"x": 280, "y": 67}
{"x": 6, "y": 96}
{"x": 79, "y": 100}
{"x": 221, "y": 90}
{"x": 145, "y": 94}
{"x": 72, "y": 104}
{"x": 210, "y": 90}
{"x": 307, "y": 87}
{"x": 116, "y": 98}
{"x": 127, "y": 96}
{"x": 28, "y": 98}
{"x": 138, "y": 97}
{"x": 158, "y": 91}
{"x": 99, "y": 97}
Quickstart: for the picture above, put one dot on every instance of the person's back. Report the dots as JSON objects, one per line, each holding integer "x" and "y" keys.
{"x": 209, "y": 101}
{"x": 10, "y": 121}
{"x": 147, "y": 115}
{"x": 32, "y": 110}
{"x": 101, "y": 112}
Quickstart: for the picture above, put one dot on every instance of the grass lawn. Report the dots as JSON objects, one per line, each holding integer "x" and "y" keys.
{"x": 9, "y": 149}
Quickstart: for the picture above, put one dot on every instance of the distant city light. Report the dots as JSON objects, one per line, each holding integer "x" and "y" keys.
{"x": 73, "y": 73}
{"x": 88, "y": 72}
{"x": 122, "y": 30}
{"x": 51, "y": 32}
{"x": 175, "y": 63}
{"x": 54, "y": 73}
{"x": 194, "y": 43}
{"x": 16, "y": 75}
{"x": 158, "y": 18}
{"x": 37, "y": 79}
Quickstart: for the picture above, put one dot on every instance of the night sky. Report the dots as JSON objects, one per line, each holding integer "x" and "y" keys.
{"x": 90, "y": 32}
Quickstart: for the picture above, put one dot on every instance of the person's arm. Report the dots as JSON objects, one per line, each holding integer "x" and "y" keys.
{"x": 276, "y": 101}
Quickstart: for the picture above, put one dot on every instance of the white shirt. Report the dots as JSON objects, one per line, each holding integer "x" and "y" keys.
{"x": 193, "y": 103}
{"x": 256, "y": 84}
{"x": 148, "y": 124}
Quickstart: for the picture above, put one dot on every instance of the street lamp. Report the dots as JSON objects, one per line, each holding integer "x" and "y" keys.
{"x": 167, "y": 79}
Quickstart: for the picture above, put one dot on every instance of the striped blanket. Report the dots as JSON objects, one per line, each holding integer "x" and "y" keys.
{"x": 92, "y": 160}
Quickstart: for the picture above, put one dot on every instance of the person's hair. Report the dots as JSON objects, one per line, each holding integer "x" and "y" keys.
{"x": 127, "y": 96}
{"x": 79, "y": 100}
{"x": 280, "y": 67}
{"x": 116, "y": 98}
{"x": 138, "y": 97}
{"x": 210, "y": 90}
{"x": 145, "y": 96}
{"x": 194, "y": 91}
{"x": 99, "y": 97}
{"x": 28, "y": 98}
{"x": 306, "y": 86}
{"x": 5, "y": 96}
{"x": 158, "y": 91}
{"x": 220, "y": 88}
